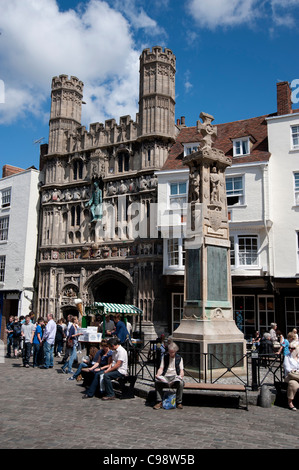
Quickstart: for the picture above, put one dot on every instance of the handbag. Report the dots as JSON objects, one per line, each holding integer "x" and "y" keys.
{"x": 294, "y": 375}
{"x": 169, "y": 400}
{"x": 69, "y": 342}
{"x": 128, "y": 343}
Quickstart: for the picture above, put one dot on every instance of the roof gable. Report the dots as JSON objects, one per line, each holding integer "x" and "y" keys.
{"x": 255, "y": 128}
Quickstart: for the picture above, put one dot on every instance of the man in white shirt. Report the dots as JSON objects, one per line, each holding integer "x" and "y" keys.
{"x": 48, "y": 341}
{"x": 118, "y": 367}
{"x": 109, "y": 325}
{"x": 27, "y": 332}
{"x": 170, "y": 374}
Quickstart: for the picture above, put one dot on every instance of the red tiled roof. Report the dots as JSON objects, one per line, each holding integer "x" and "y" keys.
{"x": 253, "y": 127}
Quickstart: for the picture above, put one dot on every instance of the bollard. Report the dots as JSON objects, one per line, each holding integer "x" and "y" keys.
{"x": 265, "y": 399}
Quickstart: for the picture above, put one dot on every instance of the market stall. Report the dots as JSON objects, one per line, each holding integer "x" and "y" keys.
{"x": 103, "y": 309}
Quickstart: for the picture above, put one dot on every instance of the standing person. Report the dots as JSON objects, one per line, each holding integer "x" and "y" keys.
{"x": 73, "y": 337}
{"x": 32, "y": 318}
{"x": 27, "y": 332}
{"x": 37, "y": 343}
{"x": 120, "y": 330}
{"x": 9, "y": 331}
{"x": 59, "y": 339}
{"x": 109, "y": 325}
{"x": 16, "y": 336}
{"x": 273, "y": 336}
{"x": 70, "y": 320}
{"x": 117, "y": 368}
{"x": 170, "y": 373}
{"x": 48, "y": 342}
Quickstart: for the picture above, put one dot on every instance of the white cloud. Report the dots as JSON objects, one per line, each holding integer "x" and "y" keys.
{"x": 187, "y": 83}
{"x": 95, "y": 44}
{"x": 230, "y": 13}
{"x": 282, "y": 12}
{"x": 222, "y": 12}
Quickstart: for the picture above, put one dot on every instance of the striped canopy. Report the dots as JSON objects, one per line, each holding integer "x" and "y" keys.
{"x": 107, "y": 308}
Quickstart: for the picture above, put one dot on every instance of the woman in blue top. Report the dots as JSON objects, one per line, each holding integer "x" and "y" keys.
{"x": 37, "y": 343}
{"x": 72, "y": 334}
{"x": 285, "y": 343}
{"x": 104, "y": 361}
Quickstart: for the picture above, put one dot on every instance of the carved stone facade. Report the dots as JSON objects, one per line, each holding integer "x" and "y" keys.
{"x": 116, "y": 257}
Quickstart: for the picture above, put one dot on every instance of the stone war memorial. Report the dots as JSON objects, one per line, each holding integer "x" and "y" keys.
{"x": 208, "y": 330}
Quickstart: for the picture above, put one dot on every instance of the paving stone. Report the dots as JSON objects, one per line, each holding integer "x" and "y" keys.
{"x": 41, "y": 410}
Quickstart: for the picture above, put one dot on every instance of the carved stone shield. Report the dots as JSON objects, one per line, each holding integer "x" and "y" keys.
{"x": 215, "y": 217}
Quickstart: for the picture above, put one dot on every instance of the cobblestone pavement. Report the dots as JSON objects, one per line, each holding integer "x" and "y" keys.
{"x": 40, "y": 409}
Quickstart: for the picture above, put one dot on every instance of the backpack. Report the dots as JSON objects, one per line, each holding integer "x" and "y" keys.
{"x": 17, "y": 329}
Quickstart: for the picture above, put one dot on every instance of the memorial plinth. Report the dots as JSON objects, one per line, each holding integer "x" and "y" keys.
{"x": 208, "y": 325}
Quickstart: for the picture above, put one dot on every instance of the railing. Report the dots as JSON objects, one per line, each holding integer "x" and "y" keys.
{"x": 251, "y": 369}
{"x": 266, "y": 366}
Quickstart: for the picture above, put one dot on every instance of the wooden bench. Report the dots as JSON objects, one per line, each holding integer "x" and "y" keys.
{"x": 218, "y": 387}
{"x": 126, "y": 392}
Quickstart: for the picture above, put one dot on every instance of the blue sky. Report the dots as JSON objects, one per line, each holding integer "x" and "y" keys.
{"x": 230, "y": 55}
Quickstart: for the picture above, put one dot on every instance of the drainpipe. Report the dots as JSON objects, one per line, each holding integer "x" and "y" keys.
{"x": 264, "y": 168}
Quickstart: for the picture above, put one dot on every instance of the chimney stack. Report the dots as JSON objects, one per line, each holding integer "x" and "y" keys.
{"x": 284, "y": 102}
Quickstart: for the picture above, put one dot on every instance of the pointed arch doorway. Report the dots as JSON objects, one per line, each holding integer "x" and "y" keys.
{"x": 111, "y": 285}
{"x": 113, "y": 291}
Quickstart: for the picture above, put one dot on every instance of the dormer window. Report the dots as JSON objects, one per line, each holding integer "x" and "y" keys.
{"x": 190, "y": 148}
{"x": 241, "y": 147}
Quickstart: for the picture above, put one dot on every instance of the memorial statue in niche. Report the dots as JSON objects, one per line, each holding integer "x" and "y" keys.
{"x": 95, "y": 203}
{"x": 214, "y": 180}
{"x": 194, "y": 185}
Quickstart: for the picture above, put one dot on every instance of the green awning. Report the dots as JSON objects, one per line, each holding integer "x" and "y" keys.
{"x": 104, "y": 308}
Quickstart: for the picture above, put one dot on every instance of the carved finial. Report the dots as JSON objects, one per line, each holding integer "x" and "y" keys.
{"x": 208, "y": 131}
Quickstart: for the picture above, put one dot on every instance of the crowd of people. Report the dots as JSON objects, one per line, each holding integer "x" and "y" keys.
{"x": 275, "y": 343}
{"x": 27, "y": 337}
{"x": 44, "y": 339}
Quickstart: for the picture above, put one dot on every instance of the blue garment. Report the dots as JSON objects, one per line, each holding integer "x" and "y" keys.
{"x": 101, "y": 359}
{"x": 72, "y": 331}
{"x": 81, "y": 366}
{"x": 107, "y": 381}
{"x": 285, "y": 345}
{"x": 38, "y": 330}
{"x": 48, "y": 355}
{"x": 95, "y": 384}
{"x": 69, "y": 362}
{"x": 98, "y": 376}
{"x": 9, "y": 326}
{"x": 121, "y": 331}
{"x": 37, "y": 354}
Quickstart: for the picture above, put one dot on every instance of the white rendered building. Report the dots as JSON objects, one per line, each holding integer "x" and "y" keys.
{"x": 262, "y": 187}
{"x": 19, "y": 202}
{"x": 283, "y": 136}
